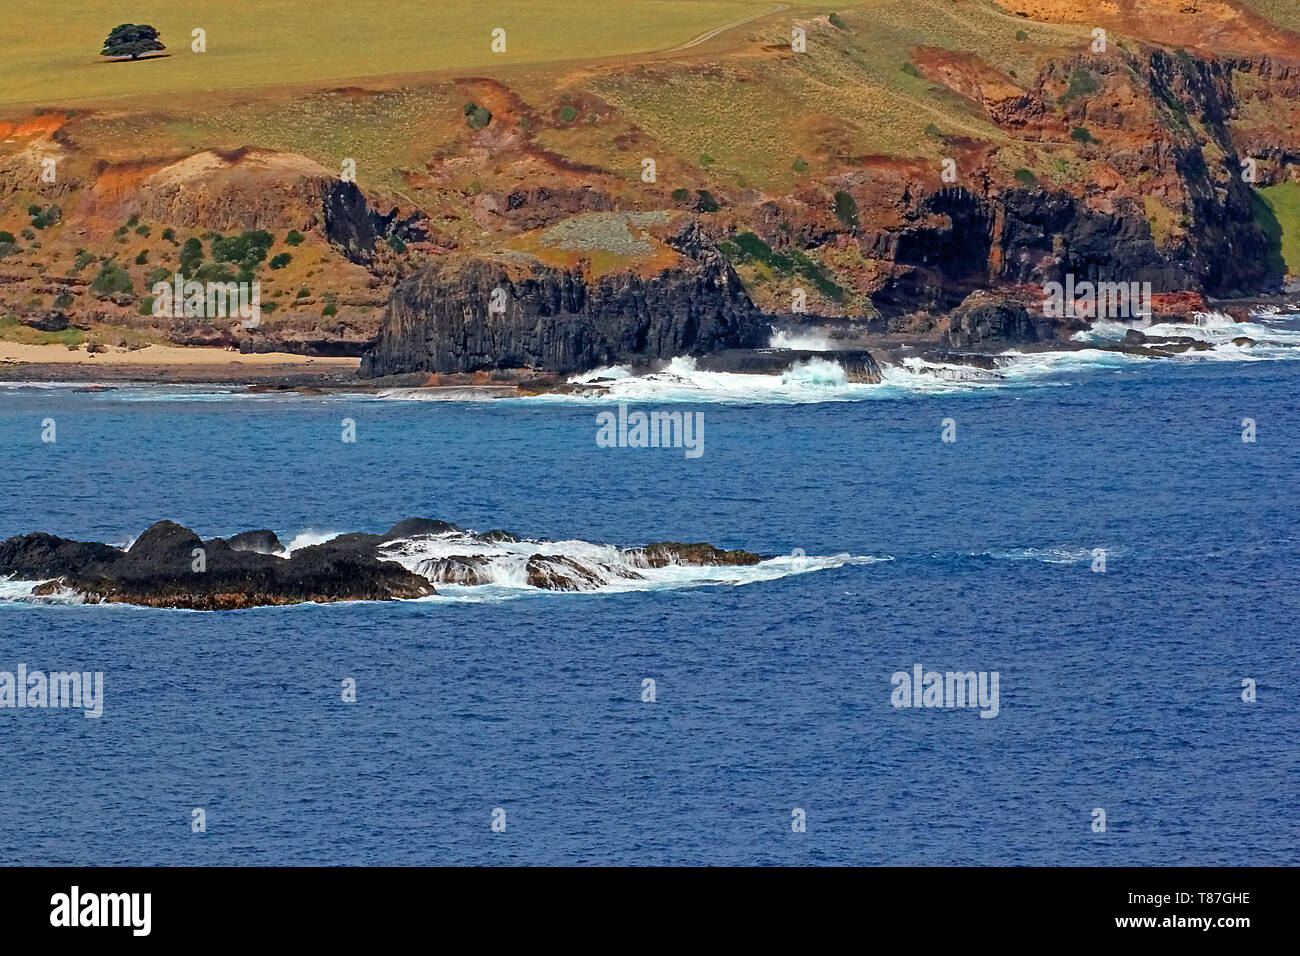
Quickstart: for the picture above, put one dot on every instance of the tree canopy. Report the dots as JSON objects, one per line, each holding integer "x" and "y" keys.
{"x": 131, "y": 39}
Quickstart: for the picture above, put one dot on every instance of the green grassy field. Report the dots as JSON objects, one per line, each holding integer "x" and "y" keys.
{"x": 1284, "y": 201}
{"x": 49, "y": 56}
{"x": 1285, "y": 13}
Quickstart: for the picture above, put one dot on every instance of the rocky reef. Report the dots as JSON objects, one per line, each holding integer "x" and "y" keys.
{"x": 171, "y": 566}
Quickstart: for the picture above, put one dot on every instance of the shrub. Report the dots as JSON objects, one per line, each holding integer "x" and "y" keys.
{"x": 477, "y": 116}
{"x": 282, "y": 260}
{"x": 83, "y": 259}
{"x": 837, "y": 21}
{"x": 146, "y": 305}
{"x": 1081, "y": 84}
{"x": 330, "y": 309}
{"x": 142, "y": 230}
{"x": 1022, "y": 35}
{"x": 29, "y": 233}
{"x": 112, "y": 279}
{"x": 1080, "y": 134}
{"x": 169, "y": 234}
{"x": 191, "y": 255}
{"x": 294, "y": 238}
{"x": 64, "y": 300}
{"x": 681, "y": 195}
{"x": 7, "y": 237}
{"x": 910, "y": 69}
{"x": 568, "y": 114}
{"x": 247, "y": 249}
{"x": 7, "y": 249}
{"x": 1025, "y": 177}
{"x": 155, "y": 276}
{"x": 846, "y": 209}
{"x": 303, "y": 293}
{"x": 142, "y": 258}
{"x": 800, "y": 164}
{"x": 704, "y": 201}
{"x": 747, "y": 247}
{"x": 44, "y": 218}
{"x": 706, "y": 160}
{"x": 396, "y": 244}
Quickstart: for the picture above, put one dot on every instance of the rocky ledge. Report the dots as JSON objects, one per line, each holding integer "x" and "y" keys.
{"x": 171, "y": 566}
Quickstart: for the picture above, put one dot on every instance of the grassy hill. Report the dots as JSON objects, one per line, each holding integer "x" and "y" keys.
{"x": 49, "y": 55}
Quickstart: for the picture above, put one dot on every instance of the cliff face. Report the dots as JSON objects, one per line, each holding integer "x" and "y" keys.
{"x": 1169, "y": 206}
{"x": 487, "y": 314}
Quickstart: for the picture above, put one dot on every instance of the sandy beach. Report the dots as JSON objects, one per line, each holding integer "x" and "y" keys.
{"x": 164, "y": 355}
{"x": 169, "y": 363}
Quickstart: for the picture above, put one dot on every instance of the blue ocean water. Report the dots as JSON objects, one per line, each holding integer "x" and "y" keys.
{"x": 1118, "y": 690}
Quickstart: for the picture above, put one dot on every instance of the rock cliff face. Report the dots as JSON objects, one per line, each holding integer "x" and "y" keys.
{"x": 489, "y": 314}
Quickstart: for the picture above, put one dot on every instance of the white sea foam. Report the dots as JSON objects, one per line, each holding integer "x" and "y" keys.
{"x": 613, "y": 570}
{"x": 800, "y": 341}
{"x": 306, "y": 539}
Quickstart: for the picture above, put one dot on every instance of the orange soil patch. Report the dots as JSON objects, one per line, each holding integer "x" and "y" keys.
{"x": 1208, "y": 25}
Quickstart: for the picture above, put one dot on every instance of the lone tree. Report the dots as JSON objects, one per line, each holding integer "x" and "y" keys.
{"x": 132, "y": 39}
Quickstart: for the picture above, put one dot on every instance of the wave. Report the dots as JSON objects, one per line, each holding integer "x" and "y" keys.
{"x": 1269, "y": 336}
{"x": 501, "y": 564}
{"x": 800, "y": 341}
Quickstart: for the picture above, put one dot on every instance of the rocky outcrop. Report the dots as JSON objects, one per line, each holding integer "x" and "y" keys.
{"x": 259, "y": 542}
{"x": 39, "y": 555}
{"x": 353, "y": 226}
{"x": 988, "y": 320}
{"x": 663, "y": 553}
{"x": 171, "y": 566}
{"x": 489, "y": 314}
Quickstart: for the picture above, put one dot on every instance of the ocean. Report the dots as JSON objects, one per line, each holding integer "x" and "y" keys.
{"x": 1120, "y": 689}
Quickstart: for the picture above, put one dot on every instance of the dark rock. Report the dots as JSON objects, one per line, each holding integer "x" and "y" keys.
{"x": 470, "y": 570}
{"x": 54, "y": 322}
{"x": 663, "y": 553}
{"x": 556, "y": 572}
{"x": 859, "y": 365}
{"x": 985, "y": 320}
{"x": 410, "y": 527}
{"x": 39, "y": 555}
{"x": 1134, "y": 337}
{"x": 352, "y": 225}
{"x": 262, "y": 542}
{"x": 498, "y": 536}
{"x": 170, "y": 566}
{"x": 558, "y": 320}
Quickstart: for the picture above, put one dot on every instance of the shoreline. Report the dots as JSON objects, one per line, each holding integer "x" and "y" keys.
{"x": 261, "y": 372}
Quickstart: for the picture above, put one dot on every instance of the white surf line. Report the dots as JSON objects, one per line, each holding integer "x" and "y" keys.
{"x": 703, "y": 37}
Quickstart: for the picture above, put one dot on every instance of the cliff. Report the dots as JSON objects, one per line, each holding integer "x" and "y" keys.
{"x": 507, "y": 313}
